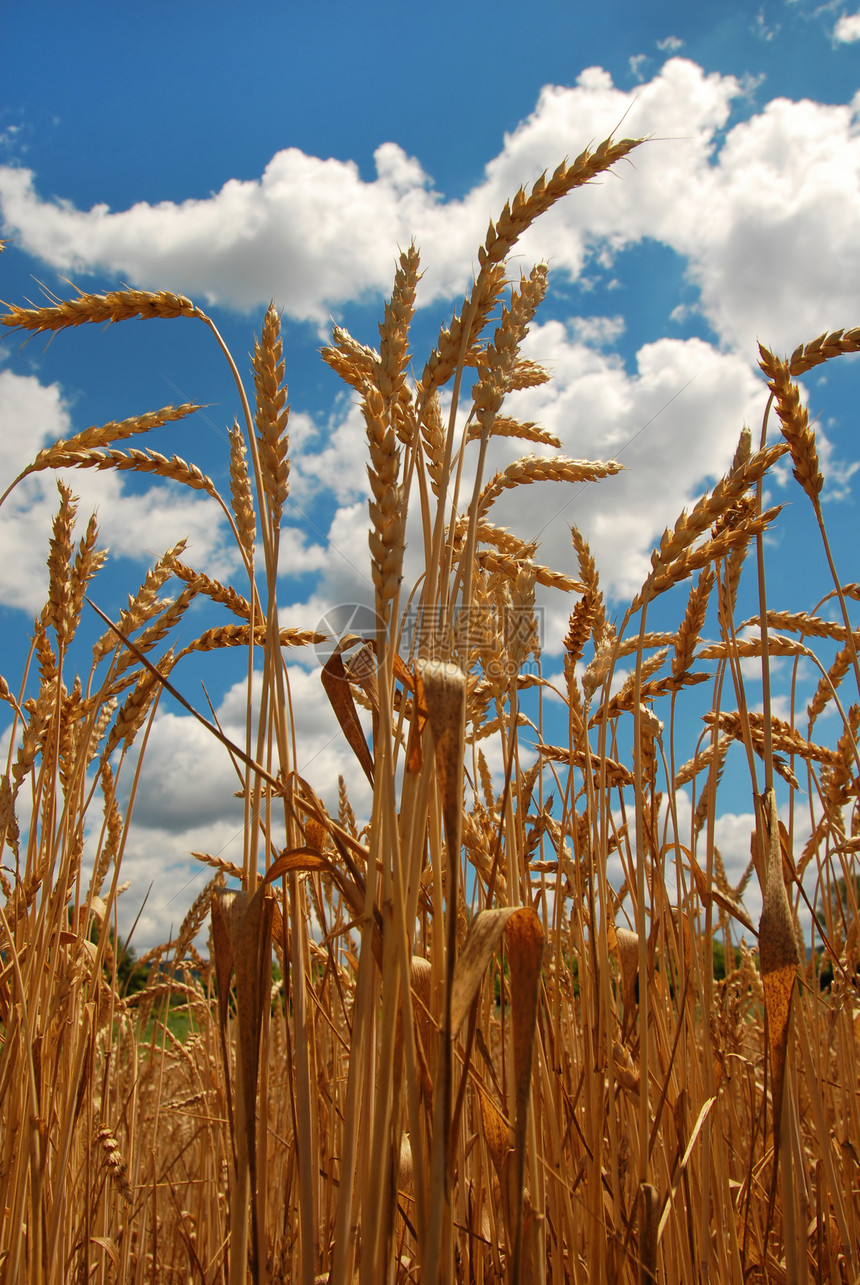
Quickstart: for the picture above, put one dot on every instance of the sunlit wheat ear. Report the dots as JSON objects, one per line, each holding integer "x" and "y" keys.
{"x": 523, "y": 210}
{"x": 702, "y": 760}
{"x": 240, "y": 493}
{"x": 777, "y": 645}
{"x": 794, "y": 421}
{"x": 356, "y": 364}
{"x": 345, "y": 813}
{"x": 743, "y": 452}
{"x": 144, "y": 605}
{"x": 504, "y": 540}
{"x": 433, "y": 440}
{"x": 223, "y": 594}
{"x": 786, "y": 738}
{"x": 528, "y": 374}
{"x": 10, "y": 833}
{"x": 822, "y": 349}
{"x": 730, "y": 581}
{"x": 536, "y": 468}
{"x": 219, "y": 863}
{"x": 116, "y": 1165}
{"x": 525, "y": 430}
{"x": 116, "y": 305}
{"x": 496, "y": 363}
{"x": 510, "y": 568}
{"x": 113, "y": 827}
{"x": 88, "y": 562}
{"x": 272, "y": 414}
{"x": 462, "y": 332}
{"x": 800, "y": 622}
{"x": 591, "y": 581}
{"x": 690, "y": 560}
{"x": 237, "y": 636}
{"x": 196, "y": 917}
{"x": 99, "y": 436}
{"x": 838, "y": 779}
{"x": 694, "y": 619}
{"x": 459, "y": 337}
{"x": 58, "y": 609}
{"x": 173, "y": 469}
{"x": 706, "y": 512}
{"x": 132, "y": 713}
{"x": 751, "y": 727}
{"x": 45, "y": 654}
{"x": 158, "y": 628}
{"x": 387, "y": 513}
{"x": 394, "y": 328}
{"x": 635, "y": 643}
{"x": 602, "y": 662}
{"x": 829, "y": 683}
{"x": 580, "y": 626}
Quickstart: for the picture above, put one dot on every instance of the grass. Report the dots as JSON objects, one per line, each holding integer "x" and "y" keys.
{"x": 624, "y": 1115}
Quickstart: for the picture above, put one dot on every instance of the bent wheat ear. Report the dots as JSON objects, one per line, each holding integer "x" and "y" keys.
{"x": 116, "y": 305}
{"x": 356, "y": 364}
{"x": 56, "y": 455}
{"x": 536, "y": 468}
{"x": 822, "y": 349}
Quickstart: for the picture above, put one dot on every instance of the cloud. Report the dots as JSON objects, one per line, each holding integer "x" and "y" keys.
{"x": 636, "y": 63}
{"x": 136, "y": 521}
{"x": 673, "y": 422}
{"x": 602, "y": 332}
{"x": 847, "y": 29}
{"x": 331, "y": 234}
{"x": 185, "y": 799}
{"x": 764, "y": 218}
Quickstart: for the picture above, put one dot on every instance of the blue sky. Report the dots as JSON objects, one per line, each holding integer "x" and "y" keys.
{"x": 288, "y": 150}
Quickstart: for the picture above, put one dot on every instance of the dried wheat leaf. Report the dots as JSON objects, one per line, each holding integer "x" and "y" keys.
{"x": 484, "y": 934}
{"x": 778, "y": 953}
{"x": 624, "y": 944}
{"x": 339, "y": 693}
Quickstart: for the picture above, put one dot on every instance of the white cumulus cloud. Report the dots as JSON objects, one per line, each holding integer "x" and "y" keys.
{"x": 185, "y": 800}
{"x": 132, "y": 523}
{"x": 765, "y": 217}
{"x": 672, "y": 423}
{"x": 847, "y": 29}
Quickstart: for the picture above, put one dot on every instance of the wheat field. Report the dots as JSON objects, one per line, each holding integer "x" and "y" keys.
{"x": 439, "y": 1043}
